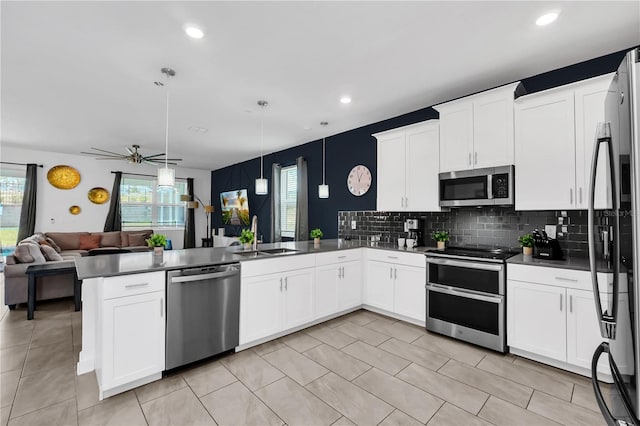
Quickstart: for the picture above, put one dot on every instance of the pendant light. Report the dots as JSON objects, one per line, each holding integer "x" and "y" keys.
{"x": 323, "y": 190}
{"x": 262, "y": 184}
{"x": 166, "y": 176}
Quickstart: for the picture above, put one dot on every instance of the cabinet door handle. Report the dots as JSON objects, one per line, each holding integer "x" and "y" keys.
{"x": 390, "y": 273}
{"x": 469, "y": 158}
{"x": 561, "y": 302}
{"x": 406, "y": 202}
{"x": 475, "y": 158}
{"x": 342, "y": 257}
{"x": 281, "y": 285}
{"x": 286, "y": 281}
{"x": 342, "y": 271}
{"x": 570, "y": 195}
{"x": 161, "y": 307}
{"x": 395, "y": 272}
{"x": 580, "y": 194}
{"x": 570, "y": 303}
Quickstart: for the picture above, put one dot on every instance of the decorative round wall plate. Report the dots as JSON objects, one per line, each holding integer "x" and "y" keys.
{"x": 63, "y": 177}
{"x": 75, "y": 210}
{"x": 98, "y": 195}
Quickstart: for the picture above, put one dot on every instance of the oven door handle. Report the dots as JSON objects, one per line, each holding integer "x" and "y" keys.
{"x": 452, "y": 292}
{"x": 466, "y": 264}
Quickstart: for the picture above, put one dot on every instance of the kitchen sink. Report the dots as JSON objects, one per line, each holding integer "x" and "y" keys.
{"x": 265, "y": 253}
{"x": 278, "y": 251}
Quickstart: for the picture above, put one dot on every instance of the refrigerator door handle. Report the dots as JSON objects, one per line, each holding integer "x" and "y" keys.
{"x": 608, "y": 318}
{"x": 618, "y": 382}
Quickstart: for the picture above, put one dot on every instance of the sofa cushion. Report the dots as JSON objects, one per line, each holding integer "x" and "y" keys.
{"x": 50, "y": 253}
{"x": 124, "y": 235}
{"x": 88, "y": 242}
{"x": 53, "y": 244}
{"x": 137, "y": 239}
{"x": 29, "y": 253}
{"x": 109, "y": 239}
{"x": 67, "y": 240}
{"x": 72, "y": 254}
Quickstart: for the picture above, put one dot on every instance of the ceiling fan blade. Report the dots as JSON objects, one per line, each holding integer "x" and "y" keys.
{"x": 129, "y": 150}
{"x": 154, "y": 155}
{"x": 105, "y": 155}
{"x": 172, "y": 159}
{"x": 104, "y": 150}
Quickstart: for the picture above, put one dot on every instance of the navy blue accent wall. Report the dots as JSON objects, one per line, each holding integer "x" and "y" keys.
{"x": 357, "y": 146}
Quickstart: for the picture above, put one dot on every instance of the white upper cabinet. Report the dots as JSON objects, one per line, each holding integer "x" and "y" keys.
{"x": 477, "y": 131}
{"x": 554, "y": 139}
{"x": 408, "y": 168}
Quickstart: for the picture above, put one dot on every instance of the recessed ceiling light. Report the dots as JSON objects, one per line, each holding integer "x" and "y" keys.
{"x": 193, "y": 31}
{"x": 547, "y": 18}
{"x": 306, "y": 128}
{"x": 345, "y": 99}
{"x": 197, "y": 129}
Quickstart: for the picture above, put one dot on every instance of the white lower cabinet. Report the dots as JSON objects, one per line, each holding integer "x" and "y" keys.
{"x": 132, "y": 344}
{"x": 396, "y": 283}
{"x": 276, "y": 302}
{"x": 350, "y": 285}
{"x": 552, "y": 315}
{"x": 338, "y": 287}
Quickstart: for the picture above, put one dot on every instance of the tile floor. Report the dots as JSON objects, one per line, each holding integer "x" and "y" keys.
{"x": 361, "y": 368}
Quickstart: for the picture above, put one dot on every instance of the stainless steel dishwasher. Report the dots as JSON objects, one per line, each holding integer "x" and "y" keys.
{"x": 203, "y": 313}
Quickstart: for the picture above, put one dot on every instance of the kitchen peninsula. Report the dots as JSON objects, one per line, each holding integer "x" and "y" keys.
{"x": 285, "y": 287}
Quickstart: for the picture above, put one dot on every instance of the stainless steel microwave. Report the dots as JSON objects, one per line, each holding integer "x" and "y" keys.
{"x": 492, "y": 186}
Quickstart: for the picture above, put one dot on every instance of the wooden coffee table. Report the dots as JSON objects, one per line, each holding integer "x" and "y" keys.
{"x": 47, "y": 269}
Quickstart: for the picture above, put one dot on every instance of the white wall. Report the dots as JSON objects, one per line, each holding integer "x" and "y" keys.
{"x": 53, "y": 204}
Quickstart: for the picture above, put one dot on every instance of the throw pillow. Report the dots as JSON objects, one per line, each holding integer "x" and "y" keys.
{"x": 110, "y": 239}
{"x": 88, "y": 242}
{"x": 137, "y": 240}
{"x": 29, "y": 253}
{"x": 53, "y": 244}
{"x": 50, "y": 253}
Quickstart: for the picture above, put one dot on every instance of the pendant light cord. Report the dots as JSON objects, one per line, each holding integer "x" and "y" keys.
{"x": 166, "y": 137}
{"x": 323, "y": 156}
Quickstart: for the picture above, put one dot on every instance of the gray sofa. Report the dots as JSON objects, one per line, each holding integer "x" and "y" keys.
{"x": 53, "y": 287}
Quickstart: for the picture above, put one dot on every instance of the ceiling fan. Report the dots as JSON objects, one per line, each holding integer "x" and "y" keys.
{"x": 134, "y": 156}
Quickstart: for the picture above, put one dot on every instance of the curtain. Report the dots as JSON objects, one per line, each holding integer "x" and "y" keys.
{"x": 114, "y": 218}
{"x": 276, "y": 231}
{"x": 189, "y": 223}
{"x": 302, "y": 202}
{"x": 28, "y": 213}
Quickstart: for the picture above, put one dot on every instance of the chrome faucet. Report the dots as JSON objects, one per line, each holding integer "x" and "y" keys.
{"x": 254, "y": 229}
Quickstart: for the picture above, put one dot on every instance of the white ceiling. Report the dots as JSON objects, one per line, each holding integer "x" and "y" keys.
{"x": 80, "y": 74}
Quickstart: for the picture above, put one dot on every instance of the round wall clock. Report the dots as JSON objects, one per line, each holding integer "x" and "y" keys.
{"x": 359, "y": 180}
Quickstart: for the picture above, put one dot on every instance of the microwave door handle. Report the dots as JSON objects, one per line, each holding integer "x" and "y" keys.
{"x": 608, "y": 318}
{"x": 490, "y": 187}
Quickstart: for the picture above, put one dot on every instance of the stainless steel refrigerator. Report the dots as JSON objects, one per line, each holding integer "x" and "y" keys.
{"x": 614, "y": 246}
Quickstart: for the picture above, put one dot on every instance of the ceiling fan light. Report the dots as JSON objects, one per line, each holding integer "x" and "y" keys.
{"x": 262, "y": 186}
{"x": 166, "y": 177}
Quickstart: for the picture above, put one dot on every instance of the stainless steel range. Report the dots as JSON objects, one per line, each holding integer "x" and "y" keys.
{"x": 466, "y": 295}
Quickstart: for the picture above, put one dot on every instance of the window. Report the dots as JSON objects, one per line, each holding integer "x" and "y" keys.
{"x": 288, "y": 200}
{"x": 11, "y": 193}
{"x": 144, "y": 204}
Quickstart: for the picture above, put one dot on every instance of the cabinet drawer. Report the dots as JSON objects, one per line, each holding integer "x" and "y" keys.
{"x": 338, "y": 256}
{"x": 398, "y": 257}
{"x": 251, "y": 268}
{"x": 127, "y": 285}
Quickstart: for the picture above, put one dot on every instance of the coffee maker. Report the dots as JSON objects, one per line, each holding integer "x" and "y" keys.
{"x": 414, "y": 231}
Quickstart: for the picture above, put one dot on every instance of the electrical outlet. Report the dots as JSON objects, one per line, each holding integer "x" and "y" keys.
{"x": 353, "y": 224}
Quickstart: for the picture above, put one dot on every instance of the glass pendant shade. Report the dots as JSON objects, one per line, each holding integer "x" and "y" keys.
{"x": 166, "y": 177}
{"x": 323, "y": 191}
{"x": 262, "y": 186}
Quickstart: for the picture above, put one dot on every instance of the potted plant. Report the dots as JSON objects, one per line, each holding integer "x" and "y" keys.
{"x": 157, "y": 242}
{"x": 246, "y": 238}
{"x": 441, "y": 237}
{"x": 526, "y": 241}
{"x": 316, "y": 234}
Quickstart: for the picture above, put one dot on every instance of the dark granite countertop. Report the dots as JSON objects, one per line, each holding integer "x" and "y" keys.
{"x": 580, "y": 263}
{"x": 134, "y": 263}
